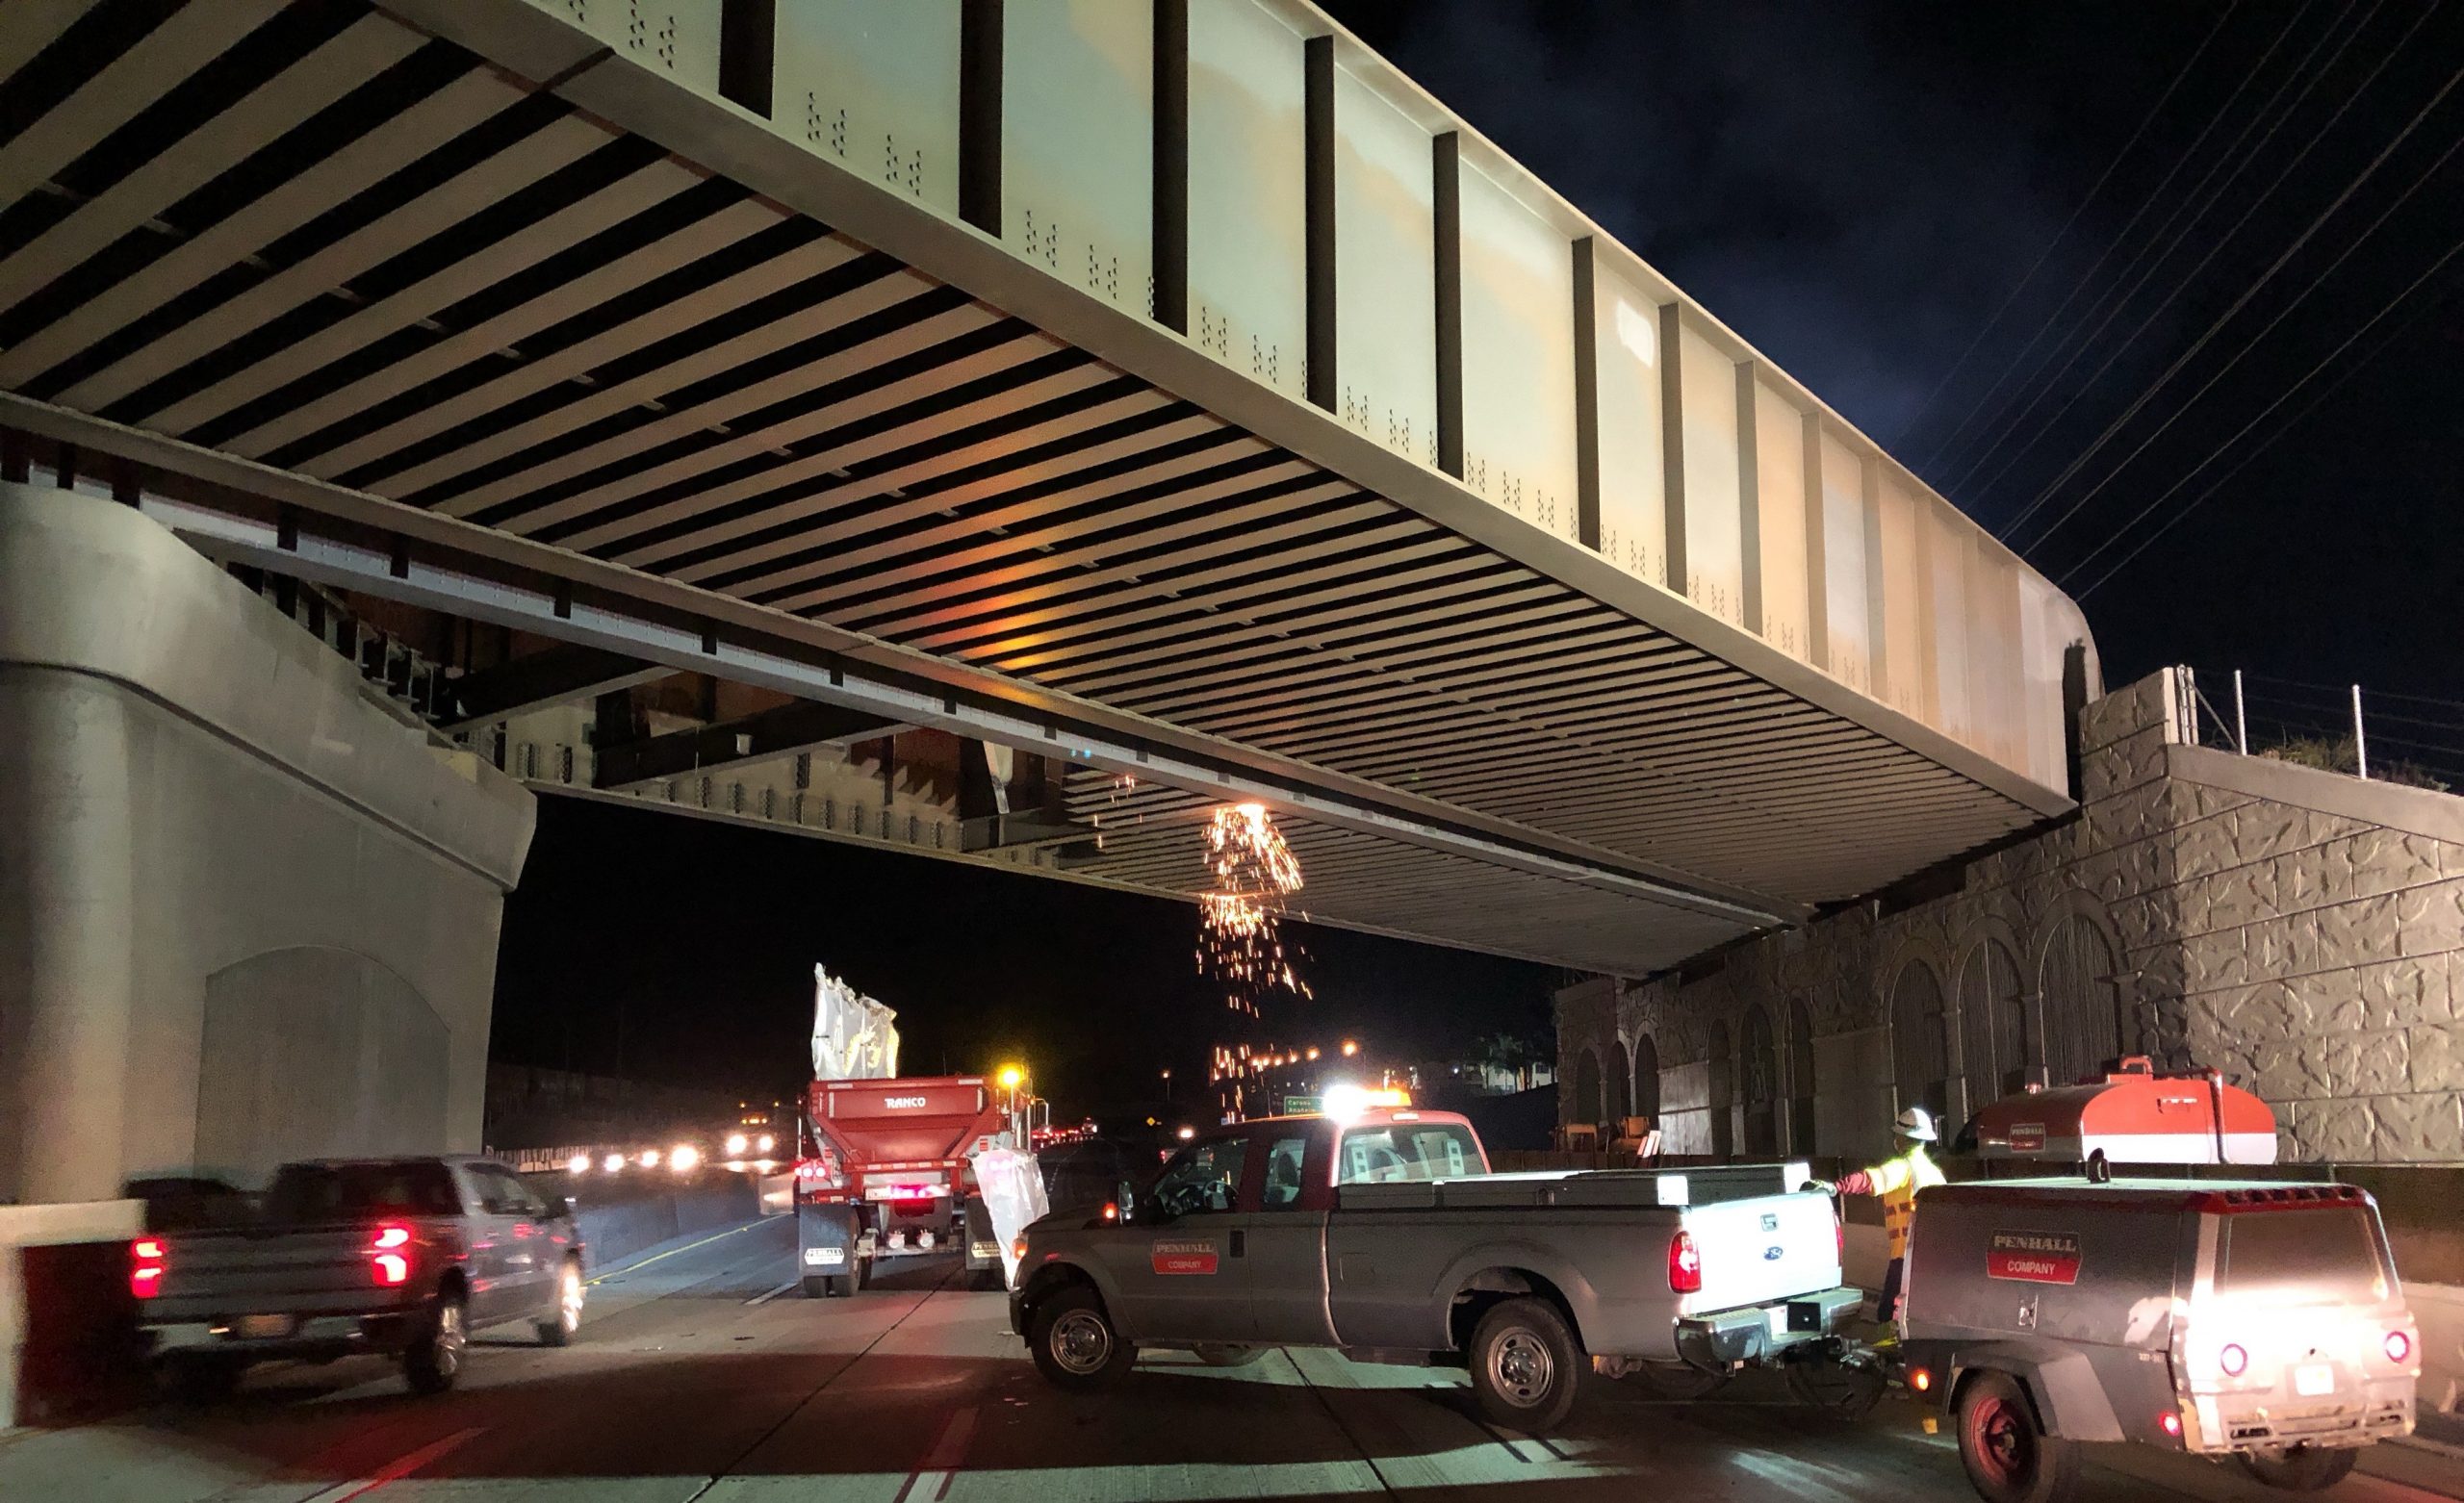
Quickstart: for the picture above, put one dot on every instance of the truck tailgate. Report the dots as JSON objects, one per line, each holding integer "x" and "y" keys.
{"x": 1762, "y": 1249}
{"x": 236, "y": 1273}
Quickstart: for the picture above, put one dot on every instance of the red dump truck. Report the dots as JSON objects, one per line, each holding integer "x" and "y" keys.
{"x": 881, "y": 1172}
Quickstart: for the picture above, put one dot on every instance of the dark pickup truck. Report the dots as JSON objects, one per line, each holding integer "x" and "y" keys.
{"x": 392, "y": 1257}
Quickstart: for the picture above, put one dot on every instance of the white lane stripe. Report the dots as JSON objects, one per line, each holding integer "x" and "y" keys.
{"x": 932, "y": 1476}
{"x": 395, "y": 1471}
{"x": 764, "y": 1299}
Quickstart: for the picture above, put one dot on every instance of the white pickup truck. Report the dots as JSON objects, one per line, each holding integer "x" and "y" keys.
{"x": 1386, "y": 1237}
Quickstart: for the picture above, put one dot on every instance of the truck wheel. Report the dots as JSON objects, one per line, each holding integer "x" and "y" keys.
{"x": 817, "y": 1285}
{"x": 842, "y": 1286}
{"x": 2009, "y": 1457}
{"x": 1218, "y": 1355}
{"x": 1675, "y": 1380}
{"x": 559, "y": 1328}
{"x": 1525, "y": 1368}
{"x": 2305, "y": 1468}
{"x": 1075, "y": 1342}
{"x": 435, "y": 1358}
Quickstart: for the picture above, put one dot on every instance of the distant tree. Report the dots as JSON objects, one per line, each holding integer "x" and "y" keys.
{"x": 1510, "y": 1054}
{"x": 2336, "y": 755}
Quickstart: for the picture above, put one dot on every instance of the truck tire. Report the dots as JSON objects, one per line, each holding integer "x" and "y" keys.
{"x": 1075, "y": 1342}
{"x": 1525, "y": 1368}
{"x": 2305, "y": 1468}
{"x": 1218, "y": 1355}
{"x": 558, "y": 1329}
{"x": 2008, "y": 1456}
{"x": 435, "y": 1358}
{"x": 817, "y": 1285}
{"x": 842, "y": 1286}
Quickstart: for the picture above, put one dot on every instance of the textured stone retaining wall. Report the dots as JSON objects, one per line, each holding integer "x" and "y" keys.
{"x": 2301, "y": 930}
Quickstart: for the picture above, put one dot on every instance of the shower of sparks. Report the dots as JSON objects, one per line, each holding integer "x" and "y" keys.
{"x": 1240, "y": 938}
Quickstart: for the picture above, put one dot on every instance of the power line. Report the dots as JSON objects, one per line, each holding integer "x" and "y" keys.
{"x": 2337, "y": 688}
{"x": 2239, "y": 303}
{"x": 1908, "y": 429}
{"x": 2180, "y": 234}
{"x": 2154, "y": 194}
{"x": 2262, "y": 445}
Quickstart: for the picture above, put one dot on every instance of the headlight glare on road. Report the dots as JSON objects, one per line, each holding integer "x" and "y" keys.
{"x": 737, "y": 1143}
{"x": 615, "y": 1161}
{"x": 682, "y": 1158}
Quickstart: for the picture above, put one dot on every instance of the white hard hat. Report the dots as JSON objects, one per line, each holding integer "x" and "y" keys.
{"x": 1916, "y": 1123}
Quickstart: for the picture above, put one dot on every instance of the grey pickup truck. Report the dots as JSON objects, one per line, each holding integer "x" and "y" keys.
{"x": 1386, "y": 1237}
{"x": 396, "y": 1257}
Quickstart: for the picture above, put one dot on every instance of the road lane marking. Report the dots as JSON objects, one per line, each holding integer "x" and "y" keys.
{"x": 395, "y": 1471}
{"x": 764, "y": 1299}
{"x": 940, "y": 1463}
{"x": 837, "y": 1373}
{"x": 620, "y": 1272}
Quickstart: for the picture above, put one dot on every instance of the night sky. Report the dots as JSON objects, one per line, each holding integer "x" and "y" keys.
{"x": 1984, "y": 234}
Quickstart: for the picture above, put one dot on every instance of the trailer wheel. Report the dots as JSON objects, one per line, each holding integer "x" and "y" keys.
{"x": 843, "y": 1286}
{"x": 2008, "y": 1456}
{"x": 817, "y": 1285}
{"x": 1075, "y": 1342}
{"x": 2305, "y": 1468}
{"x": 1525, "y": 1368}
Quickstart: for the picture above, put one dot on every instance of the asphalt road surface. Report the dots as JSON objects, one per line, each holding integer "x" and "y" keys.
{"x": 701, "y": 1374}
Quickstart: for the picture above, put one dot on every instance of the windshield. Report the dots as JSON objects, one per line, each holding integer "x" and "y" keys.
{"x": 1399, "y": 1153}
{"x": 312, "y": 1192}
{"x": 2309, "y": 1257}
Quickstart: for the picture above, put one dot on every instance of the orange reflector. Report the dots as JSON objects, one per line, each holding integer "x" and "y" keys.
{"x": 1920, "y": 1380}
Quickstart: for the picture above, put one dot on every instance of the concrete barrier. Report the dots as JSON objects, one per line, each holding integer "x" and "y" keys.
{"x": 619, "y": 1215}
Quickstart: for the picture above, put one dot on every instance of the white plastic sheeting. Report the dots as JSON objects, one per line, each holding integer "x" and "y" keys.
{"x": 854, "y": 1038}
{"x": 1013, "y": 1195}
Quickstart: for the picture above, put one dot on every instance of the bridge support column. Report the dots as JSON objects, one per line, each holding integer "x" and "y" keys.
{"x": 250, "y": 909}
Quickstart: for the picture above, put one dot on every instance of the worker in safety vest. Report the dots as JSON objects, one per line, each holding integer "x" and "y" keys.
{"x": 1897, "y": 1181}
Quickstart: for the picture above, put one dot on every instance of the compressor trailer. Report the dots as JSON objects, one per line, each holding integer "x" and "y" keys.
{"x": 881, "y": 1172}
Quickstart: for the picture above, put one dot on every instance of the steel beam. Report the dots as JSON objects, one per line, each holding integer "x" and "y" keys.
{"x": 558, "y": 676}
{"x": 784, "y": 731}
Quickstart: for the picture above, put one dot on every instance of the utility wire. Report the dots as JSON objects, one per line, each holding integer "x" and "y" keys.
{"x": 1909, "y": 429}
{"x": 2180, "y": 234}
{"x": 2344, "y": 375}
{"x": 2183, "y": 360}
{"x": 2336, "y": 688}
{"x": 2154, "y": 194}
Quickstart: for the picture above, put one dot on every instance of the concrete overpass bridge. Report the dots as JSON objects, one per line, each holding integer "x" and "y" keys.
{"x": 1034, "y": 396}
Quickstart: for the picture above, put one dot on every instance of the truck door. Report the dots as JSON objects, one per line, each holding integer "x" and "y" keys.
{"x": 1178, "y": 1266}
{"x": 504, "y": 1247}
{"x": 1285, "y": 1239}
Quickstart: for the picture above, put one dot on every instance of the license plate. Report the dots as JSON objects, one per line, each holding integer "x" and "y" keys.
{"x": 825, "y": 1255}
{"x": 2314, "y": 1379}
{"x": 983, "y": 1250}
{"x": 260, "y": 1327}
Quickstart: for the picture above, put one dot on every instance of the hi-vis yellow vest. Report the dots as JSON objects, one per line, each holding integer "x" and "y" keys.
{"x": 1897, "y": 1181}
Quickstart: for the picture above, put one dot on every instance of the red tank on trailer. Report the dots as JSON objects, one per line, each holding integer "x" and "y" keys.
{"x": 2133, "y": 1115}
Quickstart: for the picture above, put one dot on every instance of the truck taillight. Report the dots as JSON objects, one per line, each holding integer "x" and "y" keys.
{"x": 1684, "y": 1264}
{"x": 389, "y": 1261}
{"x": 2400, "y": 1347}
{"x": 145, "y": 1265}
{"x": 2232, "y": 1359}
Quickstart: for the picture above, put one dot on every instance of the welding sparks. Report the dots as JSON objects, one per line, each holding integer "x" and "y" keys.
{"x": 1240, "y": 922}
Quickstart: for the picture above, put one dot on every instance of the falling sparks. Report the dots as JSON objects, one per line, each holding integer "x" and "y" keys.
{"x": 1240, "y": 939}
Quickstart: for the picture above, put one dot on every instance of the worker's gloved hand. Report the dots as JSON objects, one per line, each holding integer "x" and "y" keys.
{"x": 1820, "y": 1186}
{"x": 1857, "y": 1183}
